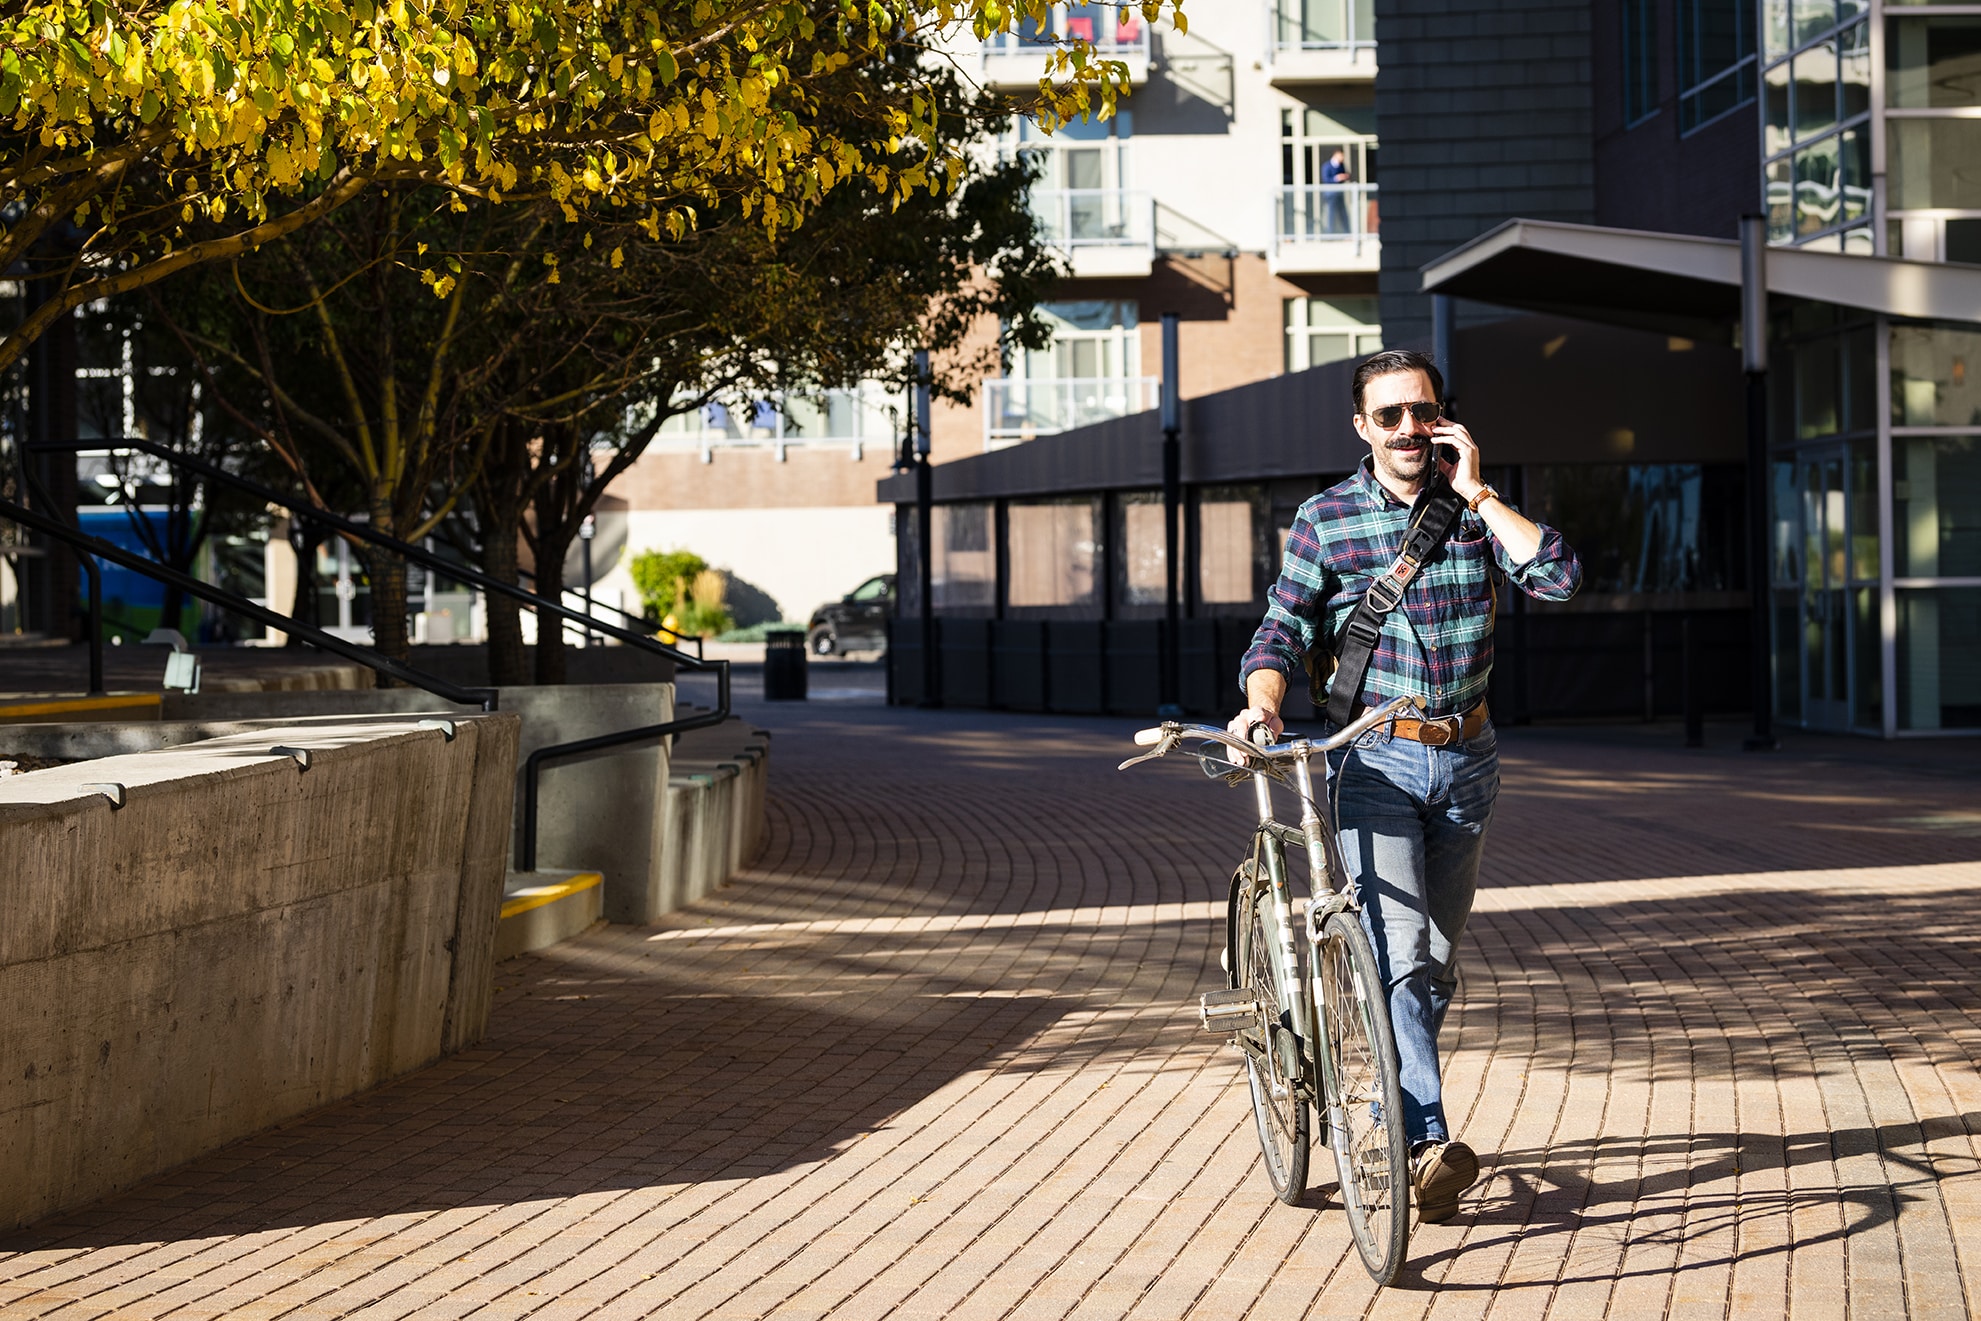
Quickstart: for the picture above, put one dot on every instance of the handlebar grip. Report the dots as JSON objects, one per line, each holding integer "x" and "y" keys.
{"x": 1147, "y": 738}
{"x": 1261, "y": 735}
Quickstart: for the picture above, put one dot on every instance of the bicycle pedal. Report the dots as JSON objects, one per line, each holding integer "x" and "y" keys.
{"x": 1220, "y": 1011}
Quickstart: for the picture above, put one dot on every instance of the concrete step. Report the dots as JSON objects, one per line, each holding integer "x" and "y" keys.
{"x": 541, "y": 908}
{"x": 65, "y": 708}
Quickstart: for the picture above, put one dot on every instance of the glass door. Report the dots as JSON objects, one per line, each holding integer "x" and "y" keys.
{"x": 1825, "y": 623}
{"x": 1828, "y": 658}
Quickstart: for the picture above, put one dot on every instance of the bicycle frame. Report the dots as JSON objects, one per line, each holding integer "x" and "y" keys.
{"x": 1315, "y": 834}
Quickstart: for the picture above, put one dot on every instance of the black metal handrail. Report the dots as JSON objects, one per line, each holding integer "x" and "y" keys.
{"x": 485, "y": 698}
{"x": 527, "y": 844}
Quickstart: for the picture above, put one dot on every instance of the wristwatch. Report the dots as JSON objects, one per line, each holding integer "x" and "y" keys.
{"x": 1485, "y": 493}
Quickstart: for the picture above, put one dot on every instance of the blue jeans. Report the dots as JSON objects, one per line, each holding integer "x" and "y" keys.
{"x": 1413, "y": 823}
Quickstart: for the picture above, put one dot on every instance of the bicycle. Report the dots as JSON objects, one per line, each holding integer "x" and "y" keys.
{"x": 1322, "y": 1044}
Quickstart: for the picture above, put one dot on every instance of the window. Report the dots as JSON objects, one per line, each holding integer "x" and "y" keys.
{"x": 1647, "y": 527}
{"x": 1320, "y": 330}
{"x": 1144, "y": 550}
{"x": 1090, "y": 372}
{"x": 1715, "y": 59}
{"x": 1092, "y": 339}
{"x": 1052, "y": 554}
{"x": 1640, "y": 60}
{"x": 1327, "y": 172}
{"x": 1936, "y": 376}
{"x": 962, "y": 561}
{"x": 1228, "y": 522}
{"x": 1816, "y": 131}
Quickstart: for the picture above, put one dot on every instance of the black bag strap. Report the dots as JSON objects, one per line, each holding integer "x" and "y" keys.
{"x": 1437, "y": 514}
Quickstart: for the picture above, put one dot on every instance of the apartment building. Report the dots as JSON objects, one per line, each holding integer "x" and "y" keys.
{"x": 1237, "y": 188}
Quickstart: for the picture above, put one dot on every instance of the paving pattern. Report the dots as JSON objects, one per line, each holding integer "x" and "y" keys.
{"x": 935, "y": 1057}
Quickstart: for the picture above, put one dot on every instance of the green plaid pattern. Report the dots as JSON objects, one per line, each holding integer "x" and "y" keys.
{"x": 1438, "y": 644}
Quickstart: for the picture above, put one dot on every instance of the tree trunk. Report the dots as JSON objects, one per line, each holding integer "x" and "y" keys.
{"x": 551, "y": 547}
{"x": 499, "y": 500}
{"x": 387, "y": 572}
{"x": 507, "y": 665}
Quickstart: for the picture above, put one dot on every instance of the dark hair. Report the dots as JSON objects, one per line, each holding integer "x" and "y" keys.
{"x": 1391, "y": 361}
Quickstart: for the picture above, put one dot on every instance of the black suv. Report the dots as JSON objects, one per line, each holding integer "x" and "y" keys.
{"x": 856, "y": 622}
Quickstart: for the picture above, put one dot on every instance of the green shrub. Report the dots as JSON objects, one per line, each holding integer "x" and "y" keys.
{"x": 680, "y": 583}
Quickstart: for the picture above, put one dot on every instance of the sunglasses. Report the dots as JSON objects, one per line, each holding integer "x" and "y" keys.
{"x": 1390, "y": 416}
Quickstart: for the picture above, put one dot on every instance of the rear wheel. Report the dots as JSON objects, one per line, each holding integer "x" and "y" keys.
{"x": 1272, "y": 1050}
{"x": 1365, "y": 1113}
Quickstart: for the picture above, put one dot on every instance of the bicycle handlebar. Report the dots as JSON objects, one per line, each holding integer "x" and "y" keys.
{"x": 1164, "y": 737}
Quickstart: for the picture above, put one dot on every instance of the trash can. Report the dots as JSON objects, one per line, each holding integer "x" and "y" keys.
{"x": 784, "y": 665}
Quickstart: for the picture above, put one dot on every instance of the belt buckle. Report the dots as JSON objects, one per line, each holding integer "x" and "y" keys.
{"x": 1437, "y": 733}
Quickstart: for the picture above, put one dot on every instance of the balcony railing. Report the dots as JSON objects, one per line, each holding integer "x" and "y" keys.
{"x": 855, "y": 417}
{"x": 1323, "y": 25}
{"x": 1326, "y": 214}
{"x": 1095, "y": 217}
{"x": 1018, "y": 409}
{"x": 1117, "y": 33}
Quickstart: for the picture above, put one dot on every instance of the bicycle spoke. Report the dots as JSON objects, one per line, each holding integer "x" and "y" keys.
{"x": 1278, "y": 1109}
{"x": 1366, "y": 1097}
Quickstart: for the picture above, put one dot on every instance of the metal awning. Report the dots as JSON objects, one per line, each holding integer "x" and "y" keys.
{"x": 1679, "y": 283}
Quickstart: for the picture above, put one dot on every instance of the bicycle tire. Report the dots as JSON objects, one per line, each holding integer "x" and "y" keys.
{"x": 1279, "y": 1110}
{"x": 1365, "y": 1113}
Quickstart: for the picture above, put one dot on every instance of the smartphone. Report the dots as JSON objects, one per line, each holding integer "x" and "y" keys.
{"x": 1448, "y": 454}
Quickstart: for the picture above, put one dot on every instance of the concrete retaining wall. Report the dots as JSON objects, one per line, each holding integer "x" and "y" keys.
{"x": 599, "y": 813}
{"x": 715, "y": 804}
{"x": 241, "y": 941}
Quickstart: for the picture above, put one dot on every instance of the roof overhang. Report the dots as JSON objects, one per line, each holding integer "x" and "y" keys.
{"x": 1681, "y": 284}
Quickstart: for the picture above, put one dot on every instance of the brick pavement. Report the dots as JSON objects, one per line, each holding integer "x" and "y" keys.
{"x": 935, "y": 1057}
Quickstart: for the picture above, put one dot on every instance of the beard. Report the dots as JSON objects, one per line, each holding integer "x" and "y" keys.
{"x": 1399, "y": 460}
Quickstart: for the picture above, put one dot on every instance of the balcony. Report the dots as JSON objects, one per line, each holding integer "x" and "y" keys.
{"x": 1018, "y": 59}
{"x": 856, "y": 417}
{"x": 1321, "y": 41}
{"x": 1320, "y": 228}
{"x": 1020, "y": 410}
{"x": 1103, "y": 232}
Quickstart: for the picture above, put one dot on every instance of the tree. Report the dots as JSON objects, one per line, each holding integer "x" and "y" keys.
{"x": 733, "y": 312}
{"x": 139, "y": 138}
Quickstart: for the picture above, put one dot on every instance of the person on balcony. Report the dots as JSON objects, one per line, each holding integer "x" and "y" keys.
{"x": 1335, "y": 178}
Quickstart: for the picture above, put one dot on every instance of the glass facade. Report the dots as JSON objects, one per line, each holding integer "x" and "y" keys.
{"x": 1875, "y": 543}
{"x": 1932, "y": 143}
{"x": 1817, "y": 123}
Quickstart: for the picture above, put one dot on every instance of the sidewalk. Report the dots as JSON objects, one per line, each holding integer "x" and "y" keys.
{"x": 935, "y": 1056}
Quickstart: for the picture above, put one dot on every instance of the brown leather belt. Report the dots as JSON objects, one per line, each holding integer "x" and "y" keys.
{"x": 1438, "y": 733}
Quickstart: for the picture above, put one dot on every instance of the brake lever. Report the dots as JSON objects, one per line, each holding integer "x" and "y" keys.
{"x": 1162, "y": 749}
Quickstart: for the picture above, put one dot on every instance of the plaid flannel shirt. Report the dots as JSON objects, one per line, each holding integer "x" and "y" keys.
{"x": 1437, "y": 644}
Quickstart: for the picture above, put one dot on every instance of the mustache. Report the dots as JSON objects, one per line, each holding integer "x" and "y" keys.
{"x": 1407, "y": 442}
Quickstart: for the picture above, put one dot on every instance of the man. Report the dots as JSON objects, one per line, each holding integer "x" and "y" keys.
{"x": 1414, "y": 795}
{"x": 1335, "y": 179}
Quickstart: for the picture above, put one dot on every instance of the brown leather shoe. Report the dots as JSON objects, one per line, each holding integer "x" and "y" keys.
{"x": 1442, "y": 1170}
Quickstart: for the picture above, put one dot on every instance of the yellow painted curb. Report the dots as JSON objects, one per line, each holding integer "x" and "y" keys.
{"x": 67, "y": 706}
{"x": 538, "y": 895}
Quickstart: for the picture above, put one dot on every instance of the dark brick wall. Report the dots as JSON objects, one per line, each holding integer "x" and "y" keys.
{"x": 1647, "y": 176}
{"x": 1484, "y": 113}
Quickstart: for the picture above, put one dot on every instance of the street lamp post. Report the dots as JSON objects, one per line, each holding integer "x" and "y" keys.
{"x": 1172, "y": 529}
{"x": 924, "y": 521}
{"x": 1754, "y": 360}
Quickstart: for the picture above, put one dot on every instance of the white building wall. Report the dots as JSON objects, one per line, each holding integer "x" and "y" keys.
{"x": 801, "y": 557}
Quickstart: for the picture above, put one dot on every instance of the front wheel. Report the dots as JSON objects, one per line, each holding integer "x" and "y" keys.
{"x": 1365, "y": 1104}
{"x": 1272, "y": 1050}
{"x": 824, "y": 641}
